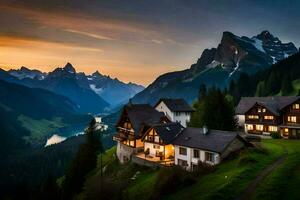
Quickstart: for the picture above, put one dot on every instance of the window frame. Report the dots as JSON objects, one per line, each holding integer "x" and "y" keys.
{"x": 182, "y": 151}
{"x": 209, "y": 157}
{"x": 194, "y": 153}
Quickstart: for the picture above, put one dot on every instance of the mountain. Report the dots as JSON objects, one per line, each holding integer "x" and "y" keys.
{"x": 218, "y": 66}
{"x": 64, "y": 81}
{"x": 29, "y": 115}
{"x": 112, "y": 90}
{"x": 24, "y": 72}
{"x": 281, "y": 79}
{"x": 90, "y": 92}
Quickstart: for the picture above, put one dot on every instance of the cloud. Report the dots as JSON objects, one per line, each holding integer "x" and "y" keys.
{"x": 157, "y": 41}
{"x": 92, "y": 35}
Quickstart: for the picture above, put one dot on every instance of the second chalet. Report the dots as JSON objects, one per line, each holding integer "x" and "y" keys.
{"x": 267, "y": 115}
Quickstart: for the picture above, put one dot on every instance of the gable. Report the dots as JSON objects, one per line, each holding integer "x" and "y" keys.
{"x": 259, "y": 109}
{"x": 152, "y": 136}
{"x": 292, "y": 106}
{"x": 162, "y": 107}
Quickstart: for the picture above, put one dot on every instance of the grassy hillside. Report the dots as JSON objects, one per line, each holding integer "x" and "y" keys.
{"x": 227, "y": 181}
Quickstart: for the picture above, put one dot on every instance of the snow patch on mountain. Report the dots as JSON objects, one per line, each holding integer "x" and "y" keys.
{"x": 95, "y": 89}
{"x": 258, "y": 44}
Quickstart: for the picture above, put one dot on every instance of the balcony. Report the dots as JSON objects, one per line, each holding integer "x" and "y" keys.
{"x": 152, "y": 161}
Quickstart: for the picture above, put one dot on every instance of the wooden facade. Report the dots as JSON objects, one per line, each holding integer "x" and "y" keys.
{"x": 290, "y": 127}
{"x": 154, "y": 146}
{"x": 259, "y": 119}
{"x": 126, "y": 134}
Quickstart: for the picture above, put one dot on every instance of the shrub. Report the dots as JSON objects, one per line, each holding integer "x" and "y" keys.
{"x": 203, "y": 169}
{"x": 170, "y": 179}
{"x": 275, "y": 135}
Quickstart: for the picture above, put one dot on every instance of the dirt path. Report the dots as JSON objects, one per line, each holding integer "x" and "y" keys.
{"x": 250, "y": 189}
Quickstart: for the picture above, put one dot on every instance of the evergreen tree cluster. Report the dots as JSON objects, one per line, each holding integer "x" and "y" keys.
{"x": 277, "y": 80}
{"x": 213, "y": 109}
{"x": 83, "y": 163}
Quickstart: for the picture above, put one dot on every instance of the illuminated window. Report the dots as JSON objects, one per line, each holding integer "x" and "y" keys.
{"x": 268, "y": 117}
{"x": 249, "y": 127}
{"x": 263, "y": 110}
{"x": 253, "y": 117}
{"x": 259, "y": 110}
{"x": 132, "y": 143}
{"x": 296, "y": 106}
{"x": 273, "y": 128}
{"x": 286, "y": 130}
{"x": 292, "y": 119}
{"x": 259, "y": 127}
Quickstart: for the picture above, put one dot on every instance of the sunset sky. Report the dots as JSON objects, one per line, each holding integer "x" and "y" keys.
{"x": 133, "y": 40}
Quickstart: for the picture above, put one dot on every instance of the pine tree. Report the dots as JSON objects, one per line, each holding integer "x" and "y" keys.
{"x": 215, "y": 111}
{"x": 197, "y": 116}
{"x": 286, "y": 88}
{"x": 84, "y": 161}
{"x": 202, "y": 92}
{"x": 273, "y": 84}
{"x": 218, "y": 112}
{"x": 260, "y": 90}
{"x": 49, "y": 189}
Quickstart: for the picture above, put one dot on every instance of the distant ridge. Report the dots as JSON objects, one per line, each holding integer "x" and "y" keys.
{"x": 218, "y": 66}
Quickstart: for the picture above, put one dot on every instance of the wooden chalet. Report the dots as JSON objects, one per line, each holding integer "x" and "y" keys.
{"x": 134, "y": 121}
{"x": 267, "y": 115}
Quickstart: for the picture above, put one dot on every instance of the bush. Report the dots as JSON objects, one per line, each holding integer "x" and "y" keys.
{"x": 275, "y": 135}
{"x": 170, "y": 179}
{"x": 202, "y": 169}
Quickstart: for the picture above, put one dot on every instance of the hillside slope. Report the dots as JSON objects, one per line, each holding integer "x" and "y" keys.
{"x": 32, "y": 114}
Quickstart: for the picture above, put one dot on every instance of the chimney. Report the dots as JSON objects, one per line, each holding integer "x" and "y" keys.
{"x": 205, "y": 130}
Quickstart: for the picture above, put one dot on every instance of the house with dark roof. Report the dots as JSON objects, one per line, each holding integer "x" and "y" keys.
{"x": 267, "y": 115}
{"x": 158, "y": 142}
{"x": 177, "y": 110}
{"x": 149, "y": 137}
{"x": 134, "y": 121}
{"x": 200, "y": 145}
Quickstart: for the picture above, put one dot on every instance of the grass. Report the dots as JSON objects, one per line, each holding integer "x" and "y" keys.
{"x": 39, "y": 128}
{"x": 296, "y": 86}
{"x": 231, "y": 177}
{"x": 227, "y": 181}
{"x": 283, "y": 182}
{"x": 144, "y": 184}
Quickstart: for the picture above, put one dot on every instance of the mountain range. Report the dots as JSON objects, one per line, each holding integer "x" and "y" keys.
{"x": 90, "y": 93}
{"x": 218, "y": 66}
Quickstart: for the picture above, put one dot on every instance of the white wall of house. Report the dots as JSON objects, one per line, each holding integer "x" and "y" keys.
{"x": 153, "y": 150}
{"x": 162, "y": 107}
{"x": 189, "y": 157}
{"x": 181, "y": 117}
{"x": 241, "y": 120}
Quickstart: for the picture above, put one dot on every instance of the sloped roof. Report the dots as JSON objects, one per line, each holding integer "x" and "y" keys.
{"x": 168, "y": 131}
{"x": 176, "y": 105}
{"x": 274, "y": 104}
{"x": 141, "y": 115}
{"x": 214, "y": 140}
